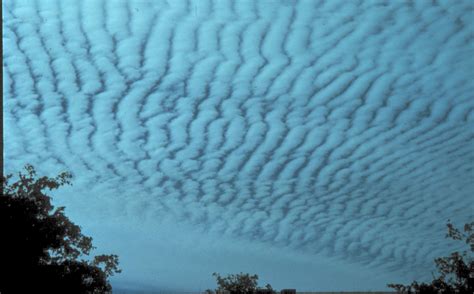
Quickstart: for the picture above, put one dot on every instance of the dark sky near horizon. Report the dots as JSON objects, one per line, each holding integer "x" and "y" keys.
{"x": 320, "y": 144}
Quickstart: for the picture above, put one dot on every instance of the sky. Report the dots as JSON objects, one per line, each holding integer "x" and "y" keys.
{"x": 320, "y": 144}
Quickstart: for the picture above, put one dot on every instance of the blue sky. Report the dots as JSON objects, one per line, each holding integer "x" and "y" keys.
{"x": 320, "y": 144}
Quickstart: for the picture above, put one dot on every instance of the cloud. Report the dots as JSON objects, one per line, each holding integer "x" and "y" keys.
{"x": 327, "y": 133}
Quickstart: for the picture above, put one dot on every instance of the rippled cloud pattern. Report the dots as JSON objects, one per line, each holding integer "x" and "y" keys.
{"x": 342, "y": 129}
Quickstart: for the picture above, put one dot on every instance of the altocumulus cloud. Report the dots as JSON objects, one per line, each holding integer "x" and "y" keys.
{"x": 302, "y": 140}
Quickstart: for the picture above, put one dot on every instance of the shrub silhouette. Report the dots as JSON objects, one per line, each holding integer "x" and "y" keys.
{"x": 456, "y": 272}
{"x": 41, "y": 250}
{"x": 239, "y": 284}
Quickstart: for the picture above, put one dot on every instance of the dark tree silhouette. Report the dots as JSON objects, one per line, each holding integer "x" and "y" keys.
{"x": 456, "y": 272}
{"x": 41, "y": 250}
{"x": 239, "y": 284}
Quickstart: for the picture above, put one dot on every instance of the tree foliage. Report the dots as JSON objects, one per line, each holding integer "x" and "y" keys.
{"x": 41, "y": 248}
{"x": 456, "y": 271}
{"x": 239, "y": 283}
